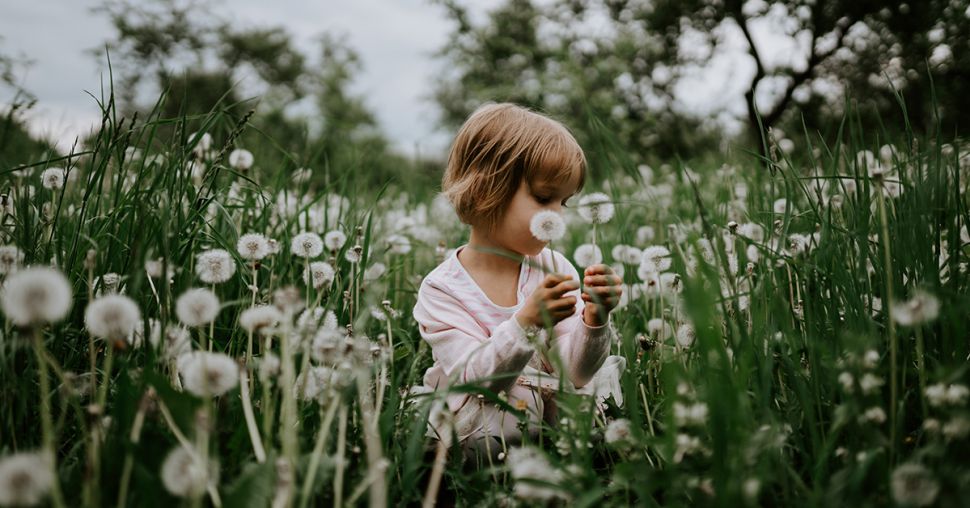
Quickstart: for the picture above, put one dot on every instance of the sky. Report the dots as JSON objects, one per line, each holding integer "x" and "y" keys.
{"x": 396, "y": 40}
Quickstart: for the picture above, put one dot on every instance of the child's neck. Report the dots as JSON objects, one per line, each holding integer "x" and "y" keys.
{"x": 483, "y": 254}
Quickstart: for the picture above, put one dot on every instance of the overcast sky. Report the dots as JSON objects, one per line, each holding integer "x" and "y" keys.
{"x": 395, "y": 38}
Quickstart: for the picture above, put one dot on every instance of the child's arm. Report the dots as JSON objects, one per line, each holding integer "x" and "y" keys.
{"x": 459, "y": 344}
{"x": 582, "y": 348}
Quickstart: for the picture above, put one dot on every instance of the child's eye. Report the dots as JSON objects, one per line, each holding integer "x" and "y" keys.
{"x": 543, "y": 200}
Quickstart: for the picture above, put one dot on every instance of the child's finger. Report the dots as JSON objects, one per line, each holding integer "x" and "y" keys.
{"x": 563, "y": 287}
{"x": 598, "y": 269}
{"x": 554, "y": 278}
{"x": 602, "y": 280}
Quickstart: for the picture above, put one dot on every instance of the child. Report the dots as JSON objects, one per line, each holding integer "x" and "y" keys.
{"x": 478, "y": 309}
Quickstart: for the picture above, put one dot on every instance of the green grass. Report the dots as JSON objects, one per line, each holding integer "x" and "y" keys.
{"x": 772, "y": 339}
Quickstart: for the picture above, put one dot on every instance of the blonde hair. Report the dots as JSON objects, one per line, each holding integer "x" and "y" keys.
{"x": 499, "y": 146}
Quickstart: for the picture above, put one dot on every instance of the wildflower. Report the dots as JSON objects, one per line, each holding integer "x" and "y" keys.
{"x": 307, "y": 245}
{"x": 241, "y": 159}
{"x": 197, "y": 307}
{"x": 596, "y": 208}
{"x": 588, "y": 254}
{"x": 399, "y": 244}
{"x": 751, "y": 487}
{"x": 547, "y": 226}
{"x": 655, "y": 259}
{"x": 847, "y": 381}
{"x": 780, "y": 205}
{"x": 260, "y": 318}
{"x": 645, "y": 234}
{"x": 870, "y": 383}
{"x": 659, "y": 329}
{"x": 35, "y": 296}
{"x": 252, "y": 246}
{"x": 374, "y": 272}
{"x": 25, "y": 478}
{"x": 914, "y": 485}
{"x": 107, "y": 283}
{"x": 269, "y": 366}
{"x": 53, "y": 178}
{"x": 183, "y": 474}
{"x": 870, "y": 359}
{"x": 618, "y": 432}
{"x": 11, "y": 258}
{"x": 112, "y": 317}
{"x": 957, "y": 428}
{"x": 956, "y": 395}
{"x": 686, "y": 445}
{"x": 353, "y": 254}
{"x": 936, "y": 394}
{"x": 215, "y": 266}
{"x": 334, "y": 240}
{"x": 207, "y": 374}
{"x": 922, "y": 308}
{"x": 875, "y": 415}
{"x": 319, "y": 274}
{"x": 686, "y": 335}
{"x": 694, "y": 414}
{"x": 533, "y": 475}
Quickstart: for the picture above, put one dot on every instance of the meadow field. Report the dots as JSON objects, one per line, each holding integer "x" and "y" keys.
{"x": 184, "y": 325}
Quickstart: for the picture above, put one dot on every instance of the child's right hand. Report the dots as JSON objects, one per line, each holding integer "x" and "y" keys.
{"x": 547, "y": 305}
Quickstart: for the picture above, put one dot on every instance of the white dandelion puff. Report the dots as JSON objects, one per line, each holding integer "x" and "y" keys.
{"x": 112, "y": 317}
{"x": 197, "y": 307}
{"x": 36, "y": 295}
{"x": 535, "y": 478}
{"x": 252, "y": 246}
{"x": 587, "y": 254}
{"x": 207, "y": 374}
{"x": 922, "y": 308}
{"x": 547, "y": 226}
{"x": 215, "y": 266}
{"x": 25, "y": 478}
{"x": 11, "y": 257}
{"x": 183, "y": 473}
{"x": 686, "y": 335}
{"x": 399, "y": 244}
{"x": 914, "y": 485}
{"x": 618, "y": 432}
{"x": 306, "y": 245}
{"x": 53, "y": 178}
{"x": 596, "y": 208}
{"x": 334, "y": 240}
{"x": 353, "y": 255}
{"x": 241, "y": 159}
{"x": 374, "y": 272}
{"x": 319, "y": 274}
{"x": 655, "y": 258}
{"x": 260, "y": 319}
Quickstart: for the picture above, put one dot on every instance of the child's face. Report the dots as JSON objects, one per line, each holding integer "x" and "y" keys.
{"x": 512, "y": 231}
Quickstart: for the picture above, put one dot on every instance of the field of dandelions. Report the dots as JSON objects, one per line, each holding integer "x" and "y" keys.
{"x": 184, "y": 326}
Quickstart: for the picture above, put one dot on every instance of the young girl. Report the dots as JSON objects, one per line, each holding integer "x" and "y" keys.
{"x": 478, "y": 309}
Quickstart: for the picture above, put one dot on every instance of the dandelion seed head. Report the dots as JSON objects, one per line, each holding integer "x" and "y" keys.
{"x": 25, "y": 478}
{"x": 374, "y": 271}
{"x": 36, "y": 295}
{"x": 686, "y": 335}
{"x": 197, "y": 307}
{"x": 215, "y": 266}
{"x": 587, "y": 254}
{"x": 922, "y": 308}
{"x": 914, "y": 485}
{"x": 53, "y": 178}
{"x": 655, "y": 258}
{"x": 183, "y": 475}
{"x": 399, "y": 244}
{"x": 252, "y": 246}
{"x": 319, "y": 274}
{"x": 207, "y": 374}
{"x": 547, "y": 226}
{"x": 260, "y": 319}
{"x": 334, "y": 240}
{"x": 306, "y": 245}
{"x": 618, "y": 432}
{"x": 241, "y": 159}
{"x": 596, "y": 208}
{"x": 527, "y": 464}
{"x": 11, "y": 257}
{"x": 112, "y": 317}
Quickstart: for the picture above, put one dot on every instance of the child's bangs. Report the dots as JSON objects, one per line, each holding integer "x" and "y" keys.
{"x": 556, "y": 161}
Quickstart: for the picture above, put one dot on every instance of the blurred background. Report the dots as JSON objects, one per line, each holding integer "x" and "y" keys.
{"x": 382, "y": 85}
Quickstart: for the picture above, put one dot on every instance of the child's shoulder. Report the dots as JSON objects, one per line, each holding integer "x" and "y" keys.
{"x": 439, "y": 278}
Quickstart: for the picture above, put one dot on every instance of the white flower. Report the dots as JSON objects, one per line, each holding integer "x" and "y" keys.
{"x": 870, "y": 359}
{"x": 320, "y": 274}
{"x": 659, "y": 329}
{"x": 52, "y": 178}
{"x": 374, "y": 271}
{"x": 596, "y": 208}
{"x": 178, "y": 342}
{"x": 107, "y": 283}
{"x": 10, "y": 258}
{"x": 399, "y": 244}
{"x": 956, "y": 395}
{"x": 215, "y": 266}
{"x": 694, "y": 414}
{"x": 112, "y": 317}
{"x": 36, "y": 295}
{"x": 352, "y": 255}
{"x": 686, "y": 335}
{"x": 137, "y": 336}
{"x": 645, "y": 235}
{"x": 252, "y": 246}
{"x": 547, "y": 226}
{"x": 914, "y": 485}
{"x": 922, "y": 308}
{"x": 307, "y": 245}
{"x": 197, "y": 307}
{"x": 870, "y": 383}
{"x": 875, "y": 415}
{"x": 207, "y": 374}
{"x": 655, "y": 258}
{"x": 183, "y": 473}
{"x": 618, "y": 432}
{"x": 25, "y": 478}
{"x": 529, "y": 466}
{"x": 269, "y": 366}
{"x": 780, "y": 205}
{"x": 847, "y": 381}
{"x": 202, "y": 140}
{"x": 588, "y": 254}
{"x": 957, "y": 428}
{"x": 241, "y": 159}
{"x": 334, "y": 240}
{"x": 260, "y": 318}
{"x": 936, "y": 394}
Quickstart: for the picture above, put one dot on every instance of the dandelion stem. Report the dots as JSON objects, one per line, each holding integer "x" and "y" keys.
{"x": 248, "y": 413}
{"x": 893, "y": 346}
{"x": 318, "y": 449}
{"x": 47, "y": 426}
{"x": 134, "y": 437}
{"x": 338, "y": 477}
{"x": 921, "y": 365}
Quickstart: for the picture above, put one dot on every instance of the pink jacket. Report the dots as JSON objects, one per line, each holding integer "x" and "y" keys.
{"x": 472, "y": 338}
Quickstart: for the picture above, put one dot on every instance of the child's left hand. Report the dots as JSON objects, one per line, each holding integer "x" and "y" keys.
{"x": 601, "y": 294}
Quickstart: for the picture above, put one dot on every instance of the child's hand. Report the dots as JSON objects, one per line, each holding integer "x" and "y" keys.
{"x": 602, "y": 293}
{"x": 546, "y": 305}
